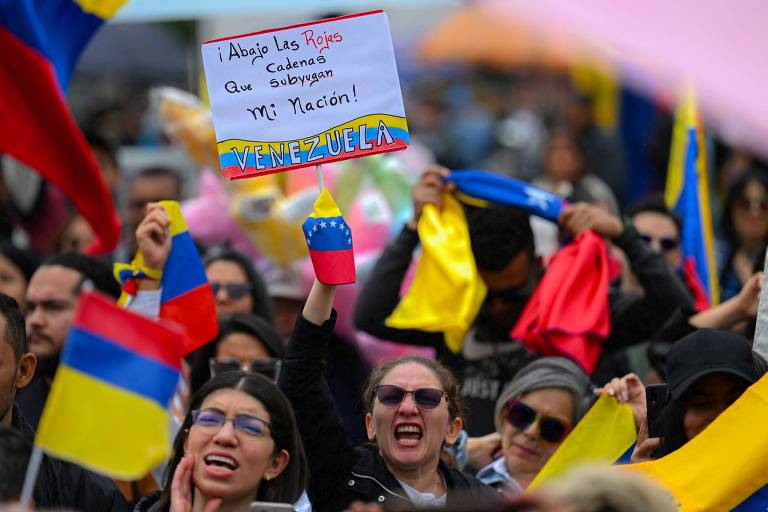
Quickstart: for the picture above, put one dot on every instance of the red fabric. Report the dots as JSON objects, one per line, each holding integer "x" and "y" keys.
{"x": 568, "y": 314}
{"x": 694, "y": 284}
{"x": 195, "y": 311}
{"x": 334, "y": 267}
{"x": 37, "y": 129}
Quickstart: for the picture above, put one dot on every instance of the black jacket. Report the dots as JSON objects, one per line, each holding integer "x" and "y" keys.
{"x": 341, "y": 473}
{"x": 487, "y": 361}
{"x": 62, "y": 484}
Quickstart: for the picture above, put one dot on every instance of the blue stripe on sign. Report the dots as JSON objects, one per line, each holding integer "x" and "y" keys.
{"x": 327, "y": 234}
{"x": 119, "y": 367}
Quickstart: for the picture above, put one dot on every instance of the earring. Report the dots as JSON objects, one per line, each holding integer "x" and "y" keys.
{"x": 267, "y": 477}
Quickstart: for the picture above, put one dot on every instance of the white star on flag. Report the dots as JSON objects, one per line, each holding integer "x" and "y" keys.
{"x": 341, "y": 226}
{"x": 309, "y": 241}
{"x": 333, "y": 223}
{"x": 314, "y": 228}
{"x": 349, "y": 240}
{"x": 322, "y": 224}
{"x": 347, "y": 233}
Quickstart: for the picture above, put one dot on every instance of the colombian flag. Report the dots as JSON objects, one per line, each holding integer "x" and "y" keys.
{"x": 329, "y": 240}
{"x": 687, "y": 193}
{"x": 40, "y": 41}
{"x": 187, "y": 297}
{"x": 107, "y": 408}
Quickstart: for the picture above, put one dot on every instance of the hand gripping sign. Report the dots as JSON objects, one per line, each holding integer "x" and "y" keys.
{"x": 305, "y": 95}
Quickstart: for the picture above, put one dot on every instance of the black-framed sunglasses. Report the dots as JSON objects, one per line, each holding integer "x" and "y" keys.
{"x": 392, "y": 396}
{"x": 514, "y": 294}
{"x": 521, "y": 416}
{"x": 270, "y": 368}
{"x": 666, "y": 244}
{"x": 212, "y": 420}
{"x": 234, "y": 290}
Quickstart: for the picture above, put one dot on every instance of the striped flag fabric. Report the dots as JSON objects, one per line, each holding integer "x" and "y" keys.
{"x": 687, "y": 193}
{"x": 186, "y": 297}
{"x": 40, "y": 42}
{"x": 108, "y": 405}
{"x": 329, "y": 240}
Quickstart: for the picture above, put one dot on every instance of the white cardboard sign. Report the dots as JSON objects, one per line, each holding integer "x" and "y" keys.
{"x": 306, "y": 94}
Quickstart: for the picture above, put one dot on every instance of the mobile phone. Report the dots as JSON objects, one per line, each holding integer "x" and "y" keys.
{"x": 656, "y": 397}
{"x": 265, "y": 506}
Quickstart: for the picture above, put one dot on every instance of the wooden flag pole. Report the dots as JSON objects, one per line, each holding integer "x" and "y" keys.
{"x": 761, "y": 329}
{"x": 320, "y": 176}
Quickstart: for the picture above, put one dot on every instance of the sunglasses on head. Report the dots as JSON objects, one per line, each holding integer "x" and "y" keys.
{"x": 392, "y": 396}
{"x": 666, "y": 244}
{"x": 521, "y": 416}
{"x": 234, "y": 290}
{"x": 212, "y": 420}
{"x": 270, "y": 368}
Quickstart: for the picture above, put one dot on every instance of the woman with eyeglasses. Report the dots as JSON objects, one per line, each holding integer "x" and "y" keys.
{"x": 245, "y": 342}
{"x": 239, "y": 443}
{"x": 237, "y": 285}
{"x": 534, "y": 414}
{"x": 744, "y": 230}
{"x": 412, "y": 410}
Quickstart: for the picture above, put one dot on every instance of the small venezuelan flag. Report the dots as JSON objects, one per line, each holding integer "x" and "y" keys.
{"x": 40, "y": 42}
{"x": 187, "y": 297}
{"x": 108, "y": 405}
{"x": 329, "y": 240}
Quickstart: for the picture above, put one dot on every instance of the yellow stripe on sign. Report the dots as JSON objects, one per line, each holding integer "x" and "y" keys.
{"x": 178, "y": 224}
{"x": 104, "y": 9}
{"x": 103, "y": 428}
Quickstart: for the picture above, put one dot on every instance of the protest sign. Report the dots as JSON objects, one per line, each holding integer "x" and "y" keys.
{"x": 305, "y": 95}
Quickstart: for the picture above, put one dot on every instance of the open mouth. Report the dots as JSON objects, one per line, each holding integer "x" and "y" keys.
{"x": 408, "y": 434}
{"x": 221, "y": 461}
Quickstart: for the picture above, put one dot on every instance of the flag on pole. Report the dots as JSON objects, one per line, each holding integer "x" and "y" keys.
{"x": 186, "y": 297}
{"x": 329, "y": 240}
{"x": 40, "y": 43}
{"x": 108, "y": 405}
{"x": 687, "y": 193}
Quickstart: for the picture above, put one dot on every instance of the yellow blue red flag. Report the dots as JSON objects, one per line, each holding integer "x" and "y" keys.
{"x": 108, "y": 405}
{"x": 329, "y": 240}
{"x": 40, "y": 42}
{"x": 687, "y": 193}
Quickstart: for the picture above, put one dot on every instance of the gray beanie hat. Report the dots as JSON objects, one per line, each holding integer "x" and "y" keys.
{"x": 548, "y": 372}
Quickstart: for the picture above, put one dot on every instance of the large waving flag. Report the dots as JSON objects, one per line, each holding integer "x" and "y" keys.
{"x": 187, "y": 297}
{"x": 482, "y": 187}
{"x": 40, "y": 41}
{"x": 726, "y": 464}
{"x": 687, "y": 193}
{"x": 329, "y": 239}
{"x": 108, "y": 405}
{"x": 447, "y": 291}
{"x": 604, "y": 434}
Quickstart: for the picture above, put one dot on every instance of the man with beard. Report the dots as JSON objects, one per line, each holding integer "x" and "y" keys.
{"x": 503, "y": 246}
{"x": 51, "y": 299}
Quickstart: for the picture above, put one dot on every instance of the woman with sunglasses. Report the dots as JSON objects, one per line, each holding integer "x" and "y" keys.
{"x": 412, "y": 411}
{"x": 237, "y": 286}
{"x": 745, "y": 230}
{"x": 245, "y": 342}
{"x": 239, "y": 443}
{"x": 534, "y": 414}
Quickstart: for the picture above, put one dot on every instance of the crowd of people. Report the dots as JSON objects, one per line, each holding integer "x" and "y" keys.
{"x": 280, "y": 407}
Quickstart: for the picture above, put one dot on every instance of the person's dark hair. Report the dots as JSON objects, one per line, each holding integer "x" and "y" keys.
{"x": 104, "y": 145}
{"x": 446, "y": 377}
{"x": 498, "y": 234}
{"x": 15, "y": 451}
{"x": 15, "y": 329}
{"x": 26, "y": 262}
{"x": 92, "y": 269}
{"x": 735, "y": 193}
{"x": 246, "y": 323}
{"x": 655, "y": 204}
{"x": 288, "y": 486}
{"x": 159, "y": 171}
{"x": 262, "y": 303}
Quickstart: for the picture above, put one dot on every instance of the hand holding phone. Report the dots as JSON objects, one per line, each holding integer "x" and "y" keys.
{"x": 656, "y": 398}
